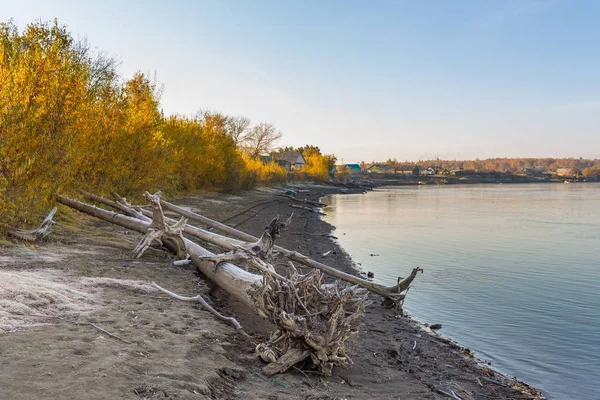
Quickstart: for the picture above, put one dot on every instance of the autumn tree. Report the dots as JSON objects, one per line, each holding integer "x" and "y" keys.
{"x": 47, "y": 82}
{"x": 260, "y": 139}
{"x": 237, "y": 128}
{"x": 316, "y": 164}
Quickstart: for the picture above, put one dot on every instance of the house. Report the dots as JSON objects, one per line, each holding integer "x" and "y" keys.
{"x": 379, "y": 168}
{"x": 290, "y": 160}
{"x": 566, "y": 172}
{"x": 353, "y": 168}
{"x": 434, "y": 170}
{"x": 404, "y": 169}
{"x": 528, "y": 171}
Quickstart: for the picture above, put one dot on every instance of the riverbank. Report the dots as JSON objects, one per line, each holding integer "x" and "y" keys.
{"x": 180, "y": 351}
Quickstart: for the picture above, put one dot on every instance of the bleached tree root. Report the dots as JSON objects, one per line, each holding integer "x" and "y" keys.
{"x": 34, "y": 235}
{"x": 314, "y": 320}
{"x": 306, "y": 327}
{"x": 199, "y": 299}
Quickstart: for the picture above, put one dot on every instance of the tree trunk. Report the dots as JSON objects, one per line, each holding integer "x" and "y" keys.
{"x": 231, "y": 278}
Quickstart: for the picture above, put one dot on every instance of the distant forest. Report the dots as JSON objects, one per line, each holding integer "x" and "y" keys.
{"x": 513, "y": 165}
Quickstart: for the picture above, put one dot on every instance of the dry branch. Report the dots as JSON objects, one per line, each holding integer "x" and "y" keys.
{"x": 199, "y": 299}
{"x": 34, "y": 235}
{"x": 112, "y": 335}
{"x": 305, "y": 201}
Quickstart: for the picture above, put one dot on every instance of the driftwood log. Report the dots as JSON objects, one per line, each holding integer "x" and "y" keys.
{"x": 314, "y": 321}
{"x": 393, "y": 296}
{"x": 307, "y": 209}
{"x": 34, "y": 235}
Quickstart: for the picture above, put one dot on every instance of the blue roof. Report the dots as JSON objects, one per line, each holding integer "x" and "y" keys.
{"x": 354, "y": 167}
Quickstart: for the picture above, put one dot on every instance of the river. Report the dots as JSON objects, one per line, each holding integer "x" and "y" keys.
{"x": 511, "y": 271}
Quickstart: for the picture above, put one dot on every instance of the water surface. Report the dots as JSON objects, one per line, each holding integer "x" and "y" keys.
{"x": 511, "y": 271}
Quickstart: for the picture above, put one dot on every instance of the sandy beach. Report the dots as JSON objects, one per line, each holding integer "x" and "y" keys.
{"x": 177, "y": 350}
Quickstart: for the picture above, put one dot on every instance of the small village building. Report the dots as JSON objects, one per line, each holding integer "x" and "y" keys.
{"x": 434, "y": 170}
{"x": 353, "y": 168}
{"x": 566, "y": 171}
{"x": 290, "y": 160}
{"x": 379, "y": 168}
{"x": 528, "y": 171}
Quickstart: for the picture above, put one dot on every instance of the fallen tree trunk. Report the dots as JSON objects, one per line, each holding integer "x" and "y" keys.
{"x": 313, "y": 320}
{"x": 234, "y": 280}
{"x": 392, "y": 295}
{"x": 34, "y": 235}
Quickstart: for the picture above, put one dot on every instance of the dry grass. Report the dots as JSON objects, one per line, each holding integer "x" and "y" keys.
{"x": 50, "y": 292}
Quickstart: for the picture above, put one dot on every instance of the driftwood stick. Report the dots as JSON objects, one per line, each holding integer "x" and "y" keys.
{"x": 199, "y": 299}
{"x": 33, "y": 235}
{"x": 305, "y": 201}
{"x": 112, "y": 335}
{"x": 451, "y": 395}
{"x": 286, "y": 361}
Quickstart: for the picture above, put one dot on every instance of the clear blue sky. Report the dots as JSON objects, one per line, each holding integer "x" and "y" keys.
{"x": 367, "y": 80}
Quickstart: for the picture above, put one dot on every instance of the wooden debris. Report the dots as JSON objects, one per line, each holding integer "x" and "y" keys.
{"x": 314, "y": 320}
{"x": 199, "y": 299}
{"x": 34, "y": 235}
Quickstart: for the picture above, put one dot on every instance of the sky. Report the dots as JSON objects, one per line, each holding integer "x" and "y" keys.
{"x": 366, "y": 80}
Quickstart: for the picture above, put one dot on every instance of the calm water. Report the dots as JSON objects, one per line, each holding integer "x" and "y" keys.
{"x": 511, "y": 271}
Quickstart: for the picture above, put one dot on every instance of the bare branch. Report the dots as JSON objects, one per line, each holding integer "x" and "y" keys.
{"x": 261, "y": 139}
{"x": 207, "y": 307}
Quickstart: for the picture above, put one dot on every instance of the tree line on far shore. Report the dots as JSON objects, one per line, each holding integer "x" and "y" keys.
{"x": 587, "y": 167}
{"x": 69, "y": 121}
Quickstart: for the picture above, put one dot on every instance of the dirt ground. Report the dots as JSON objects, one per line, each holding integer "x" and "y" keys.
{"x": 179, "y": 351}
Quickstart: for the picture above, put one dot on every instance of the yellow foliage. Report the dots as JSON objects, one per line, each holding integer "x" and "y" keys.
{"x": 270, "y": 172}
{"x": 68, "y": 121}
{"x": 316, "y": 165}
